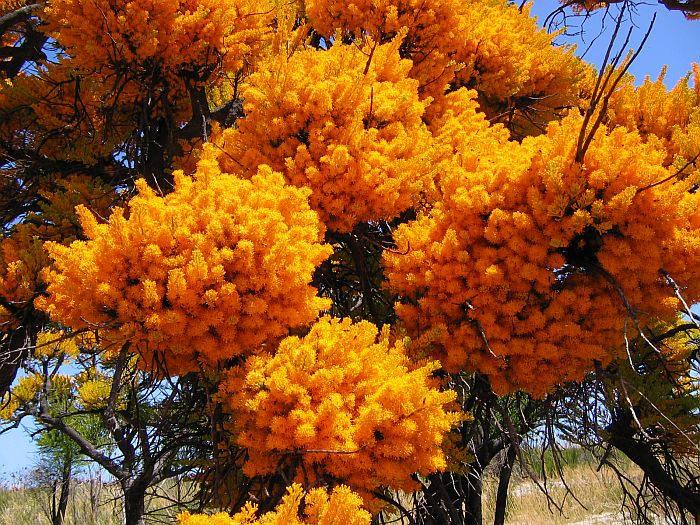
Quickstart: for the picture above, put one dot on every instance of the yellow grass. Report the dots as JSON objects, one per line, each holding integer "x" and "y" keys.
{"x": 599, "y": 498}
{"x": 26, "y": 506}
{"x": 595, "y": 497}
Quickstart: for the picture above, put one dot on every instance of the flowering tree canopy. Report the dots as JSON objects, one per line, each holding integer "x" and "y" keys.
{"x": 366, "y": 247}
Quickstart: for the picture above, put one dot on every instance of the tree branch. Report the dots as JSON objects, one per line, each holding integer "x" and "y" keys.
{"x": 86, "y": 447}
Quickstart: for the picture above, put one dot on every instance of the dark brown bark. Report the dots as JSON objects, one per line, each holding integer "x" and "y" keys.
{"x": 18, "y": 15}
{"x": 30, "y": 50}
{"x": 432, "y": 513}
{"x": 360, "y": 262}
{"x": 13, "y": 352}
{"x": 687, "y": 6}
{"x": 157, "y": 156}
{"x": 15, "y": 346}
{"x": 474, "y": 515}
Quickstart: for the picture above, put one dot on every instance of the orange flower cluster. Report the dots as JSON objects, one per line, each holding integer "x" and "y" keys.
{"x": 465, "y": 141}
{"x": 426, "y": 22}
{"x": 7, "y": 6}
{"x": 671, "y": 118}
{"x": 512, "y": 63}
{"x": 651, "y": 108}
{"x": 434, "y": 31}
{"x": 519, "y": 272}
{"x": 178, "y": 36}
{"x": 341, "y": 507}
{"x": 22, "y": 256}
{"x": 340, "y": 403}
{"x": 57, "y": 219}
{"x": 219, "y": 266}
{"x": 21, "y": 260}
{"x": 346, "y": 123}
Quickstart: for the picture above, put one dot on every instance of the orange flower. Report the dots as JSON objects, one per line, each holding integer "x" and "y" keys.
{"x": 532, "y": 278}
{"x": 212, "y": 270}
{"x": 344, "y": 405}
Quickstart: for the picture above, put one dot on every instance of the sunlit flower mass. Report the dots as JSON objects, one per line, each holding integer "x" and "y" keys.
{"x": 218, "y": 267}
{"x": 344, "y": 122}
{"x": 508, "y": 272}
{"x": 340, "y": 403}
{"x": 330, "y": 214}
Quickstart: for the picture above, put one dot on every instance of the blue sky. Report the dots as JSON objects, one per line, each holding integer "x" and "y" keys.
{"x": 17, "y": 452}
{"x": 674, "y": 42}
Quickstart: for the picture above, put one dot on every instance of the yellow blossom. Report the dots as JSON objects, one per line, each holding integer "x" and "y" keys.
{"x": 529, "y": 282}
{"x": 319, "y": 508}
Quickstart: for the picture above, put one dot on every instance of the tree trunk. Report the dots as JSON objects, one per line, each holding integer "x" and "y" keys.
{"x": 14, "y": 349}
{"x": 58, "y": 510}
{"x": 621, "y": 436}
{"x": 134, "y": 502}
{"x": 503, "y": 484}
{"x": 452, "y": 496}
{"x": 473, "y": 503}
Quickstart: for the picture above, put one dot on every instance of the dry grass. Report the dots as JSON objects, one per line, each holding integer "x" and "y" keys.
{"x": 592, "y": 498}
{"x": 584, "y": 497}
{"x": 96, "y": 505}
{"x": 31, "y": 507}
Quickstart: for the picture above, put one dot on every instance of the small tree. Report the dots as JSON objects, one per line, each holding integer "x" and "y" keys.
{"x": 134, "y": 425}
{"x": 58, "y": 461}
